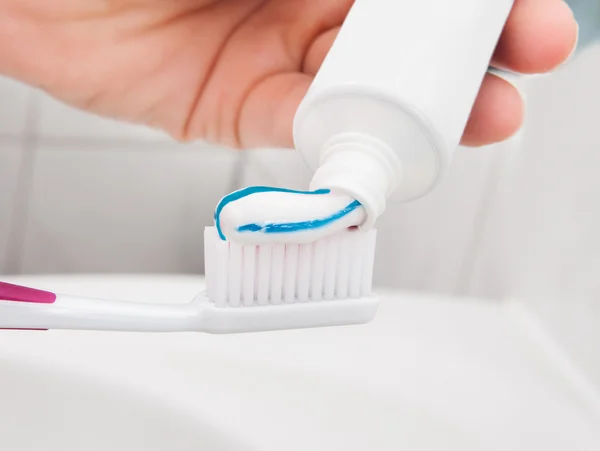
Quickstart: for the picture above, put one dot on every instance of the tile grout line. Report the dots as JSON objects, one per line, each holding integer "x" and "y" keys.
{"x": 485, "y": 206}
{"x": 22, "y": 195}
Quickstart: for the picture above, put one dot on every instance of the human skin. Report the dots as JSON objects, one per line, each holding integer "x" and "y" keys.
{"x": 232, "y": 71}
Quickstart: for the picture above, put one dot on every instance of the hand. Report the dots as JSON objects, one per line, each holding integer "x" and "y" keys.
{"x": 232, "y": 71}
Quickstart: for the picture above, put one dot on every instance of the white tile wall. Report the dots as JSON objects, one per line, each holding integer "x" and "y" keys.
{"x": 10, "y": 159}
{"x": 14, "y": 100}
{"x": 110, "y": 209}
{"x": 276, "y": 167}
{"x": 58, "y": 120}
{"x": 14, "y": 104}
{"x": 423, "y": 245}
{"x": 542, "y": 243}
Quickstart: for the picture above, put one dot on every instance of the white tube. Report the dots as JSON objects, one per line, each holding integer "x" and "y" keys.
{"x": 392, "y": 98}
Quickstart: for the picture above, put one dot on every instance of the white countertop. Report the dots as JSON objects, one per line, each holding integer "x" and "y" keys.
{"x": 429, "y": 374}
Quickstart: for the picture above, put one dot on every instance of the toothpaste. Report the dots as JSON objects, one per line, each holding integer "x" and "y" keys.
{"x": 265, "y": 215}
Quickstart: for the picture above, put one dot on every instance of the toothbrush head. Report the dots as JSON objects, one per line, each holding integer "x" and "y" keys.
{"x": 253, "y": 288}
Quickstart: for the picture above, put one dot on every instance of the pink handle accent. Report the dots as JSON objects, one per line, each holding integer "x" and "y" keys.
{"x": 10, "y": 292}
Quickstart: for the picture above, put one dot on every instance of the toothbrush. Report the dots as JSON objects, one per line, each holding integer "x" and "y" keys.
{"x": 249, "y": 289}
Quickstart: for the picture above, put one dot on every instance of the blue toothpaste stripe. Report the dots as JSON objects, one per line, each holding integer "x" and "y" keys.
{"x": 236, "y": 195}
{"x": 302, "y": 225}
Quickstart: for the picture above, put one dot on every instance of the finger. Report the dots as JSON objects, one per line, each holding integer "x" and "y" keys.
{"x": 496, "y": 115}
{"x": 268, "y": 113}
{"x": 539, "y": 35}
{"x": 318, "y": 50}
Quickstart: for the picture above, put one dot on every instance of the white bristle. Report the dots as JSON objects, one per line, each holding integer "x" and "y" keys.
{"x": 343, "y": 268}
{"x": 289, "y": 273}
{"x": 221, "y": 254}
{"x": 331, "y": 263}
{"x": 338, "y": 267}
{"x": 356, "y": 265}
{"x": 277, "y": 259}
{"x": 303, "y": 272}
{"x": 263, "y": 274}
{"x": 369, "y": 263}
{"x": 248, "y": 274}
{"x": 235, "y": 274}
{"x": 318, "y": 270}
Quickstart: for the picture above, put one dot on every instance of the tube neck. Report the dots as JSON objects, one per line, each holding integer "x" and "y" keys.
{"x": 361, "y": 167}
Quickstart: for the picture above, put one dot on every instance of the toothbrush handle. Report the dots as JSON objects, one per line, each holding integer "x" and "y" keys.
{"x": 27, "y": 308}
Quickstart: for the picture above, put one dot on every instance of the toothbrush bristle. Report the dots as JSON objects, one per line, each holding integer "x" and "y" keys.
{"x": 337, "y": 267}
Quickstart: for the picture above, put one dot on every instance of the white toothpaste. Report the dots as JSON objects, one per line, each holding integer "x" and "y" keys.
{"x": 263, "y": 215}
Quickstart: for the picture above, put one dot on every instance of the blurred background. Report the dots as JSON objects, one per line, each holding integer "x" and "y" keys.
{"x": 520, "y": 220}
